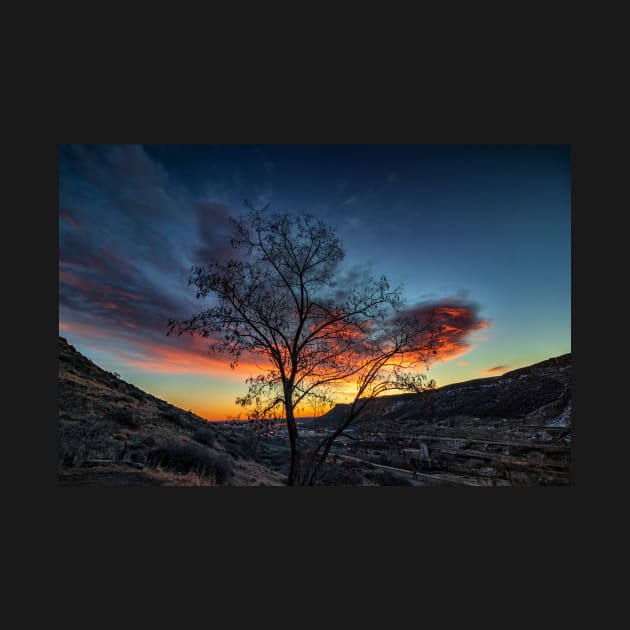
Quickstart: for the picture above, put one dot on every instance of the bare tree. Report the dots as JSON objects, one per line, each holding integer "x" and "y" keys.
{"x": 391, "y": 351}
{"x": 282, "y": 298}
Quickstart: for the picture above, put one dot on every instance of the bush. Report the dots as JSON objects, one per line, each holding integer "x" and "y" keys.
{"x": 205, "y": 436}
{"x": 237, "y": 447}
{"x": 174, "y": 417}
{"x": 185, "y": 457}
{"x": 222, "y": 469}
{"x": 125, "y": 417}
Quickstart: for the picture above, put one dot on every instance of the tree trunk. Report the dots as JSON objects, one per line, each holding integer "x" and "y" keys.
{"x": 318, "y": 459}
{"x": 294, "y": 471}
{"x": 317, "y": 462}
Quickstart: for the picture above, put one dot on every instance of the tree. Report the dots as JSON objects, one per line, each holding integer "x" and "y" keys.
{"x": 283, "y": 298}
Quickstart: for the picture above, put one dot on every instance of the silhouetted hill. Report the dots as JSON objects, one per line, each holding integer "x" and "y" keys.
{"x": 113, "y": 433}
{"x": 513, "y": 429}
{"x": 538, "y": 393}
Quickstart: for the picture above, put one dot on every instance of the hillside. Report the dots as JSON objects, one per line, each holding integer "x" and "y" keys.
{"x": 538, "y": 394}
{"x": 513, "y": 429}
{"x": 112, "y": 433}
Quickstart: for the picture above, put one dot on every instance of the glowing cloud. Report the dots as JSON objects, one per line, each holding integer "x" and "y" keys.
{"x": 497, "y": 369}
{"x": 457, "y": 319}
{"x": 158, "y": 356}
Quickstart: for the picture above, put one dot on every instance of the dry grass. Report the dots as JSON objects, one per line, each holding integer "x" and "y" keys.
{"x": 111, "y": 433}
{"x": 205, "y": 436}
{"x": 188, "y": 457}
{"x": 125, "y": 417}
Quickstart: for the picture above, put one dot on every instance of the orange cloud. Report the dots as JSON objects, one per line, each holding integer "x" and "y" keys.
{"x": 449, "y": 311}
{"x": 462, "y": 363}
{"x": 191, "y": 356}
{"x": 81, "y": 329}
{"x": 496, "y": 370}
{"x": 456, "y": 319}
{"x": 160, "y": 359}
{"x": 67, "y": 277}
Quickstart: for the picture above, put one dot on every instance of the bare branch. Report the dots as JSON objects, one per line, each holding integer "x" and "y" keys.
{"x": 280, "y": 299}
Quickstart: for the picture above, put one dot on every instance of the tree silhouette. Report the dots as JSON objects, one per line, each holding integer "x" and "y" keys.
{"x": 283, "y": 298}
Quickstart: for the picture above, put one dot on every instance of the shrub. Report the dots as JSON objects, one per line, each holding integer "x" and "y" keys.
{"x": 136, "y": 393}
{"x": 125, "y": 417}
{"x": 185, "y": 457}
{"x": 222, "y": 469}
{"x": 236, "y": 446}
{"x": 205, "y": 436}
{"x": 174, "y": 417}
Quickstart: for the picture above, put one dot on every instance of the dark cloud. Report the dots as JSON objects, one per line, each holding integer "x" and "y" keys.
{"x": 114, "y": 302}
{"x": 456, "y": 319}
{"x": 124, "y": 272}
{"x": 69, "y": 220}
{"x": 213, "y": 229}
{"x": 125, "y": 175}
{"x": 349, "y": 279}
{"x": 125, "y": 198}
{"x": 133, "y": 220}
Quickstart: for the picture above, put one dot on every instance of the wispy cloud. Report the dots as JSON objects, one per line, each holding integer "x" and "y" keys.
{"x": 70, "y": 221}
{"x": 187, "y": 355}
{"x": 123, "y": 274}
{"x": 497, "y": 369}
{"x": 212, "y": 232}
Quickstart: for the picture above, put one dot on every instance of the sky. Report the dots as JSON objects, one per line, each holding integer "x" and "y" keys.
{"x": 483, "y": 231}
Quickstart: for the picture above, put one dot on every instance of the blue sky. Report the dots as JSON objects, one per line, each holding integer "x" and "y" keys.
{"x": 484, "y": 228}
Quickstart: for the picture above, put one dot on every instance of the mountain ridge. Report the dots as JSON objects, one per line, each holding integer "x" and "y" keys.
{"x": 112, "y": 433}
{"x": 516, "y": 394}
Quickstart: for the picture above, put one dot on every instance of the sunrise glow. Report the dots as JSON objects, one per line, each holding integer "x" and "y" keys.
{"x": 477, "y": 236}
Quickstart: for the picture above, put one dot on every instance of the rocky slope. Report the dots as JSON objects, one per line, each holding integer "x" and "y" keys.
{"x": 508, "y": 430}
{"x": 513, "y": 429}
{"x": 539, "y": 394}
{"x": 112, "y": 433}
